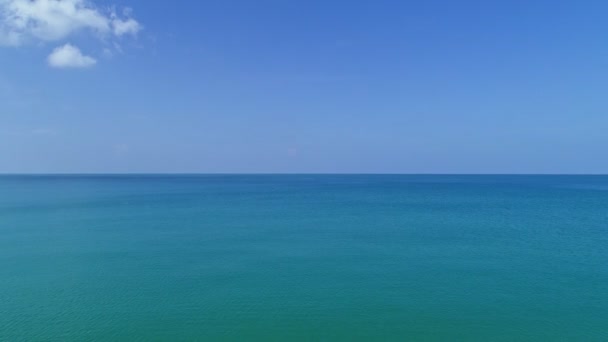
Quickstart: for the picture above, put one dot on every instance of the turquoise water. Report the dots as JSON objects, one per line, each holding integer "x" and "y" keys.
{"x": 304, "y": 257}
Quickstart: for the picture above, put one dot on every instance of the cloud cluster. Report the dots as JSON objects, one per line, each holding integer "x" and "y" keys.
{"x": 32, "y": 21}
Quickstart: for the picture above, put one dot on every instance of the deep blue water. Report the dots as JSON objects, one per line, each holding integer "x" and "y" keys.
{"x": 304, "y": 257}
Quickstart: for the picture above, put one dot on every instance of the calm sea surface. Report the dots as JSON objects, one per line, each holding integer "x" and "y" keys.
{"x": 304, "y": 258}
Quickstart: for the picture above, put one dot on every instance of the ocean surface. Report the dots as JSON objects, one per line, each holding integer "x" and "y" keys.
{"x": 303, "y": 258}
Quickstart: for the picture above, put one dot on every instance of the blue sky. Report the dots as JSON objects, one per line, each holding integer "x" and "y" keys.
{"x": 304, "y": 86}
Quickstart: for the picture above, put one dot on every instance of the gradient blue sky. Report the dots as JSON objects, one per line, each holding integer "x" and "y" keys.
{"x": 318, "y": 86}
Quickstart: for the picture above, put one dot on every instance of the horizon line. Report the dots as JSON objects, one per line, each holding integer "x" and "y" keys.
{"x": 287, "y": 173}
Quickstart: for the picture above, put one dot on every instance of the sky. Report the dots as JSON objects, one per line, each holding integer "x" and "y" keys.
{"x": 294, "y": 86}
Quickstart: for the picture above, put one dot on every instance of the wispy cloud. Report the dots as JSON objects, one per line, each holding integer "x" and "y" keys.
{"x": 32, "y": 21}
{"x": 69, "y": 56}
{"x": 128, "y": 25}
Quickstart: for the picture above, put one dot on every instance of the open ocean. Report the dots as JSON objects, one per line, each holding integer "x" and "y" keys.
{"x": 303, "y": 258}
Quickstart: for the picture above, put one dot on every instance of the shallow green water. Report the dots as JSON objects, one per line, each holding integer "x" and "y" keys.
{"x": 301, "y": 257}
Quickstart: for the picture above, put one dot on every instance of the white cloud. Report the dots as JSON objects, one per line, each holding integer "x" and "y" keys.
{"x": 22, "y": 21}
{"x": 48, "y": 20}
{"x": 69, "y": 56}
{"x": 128, "y": 25}
{"x": 33, "y": 21}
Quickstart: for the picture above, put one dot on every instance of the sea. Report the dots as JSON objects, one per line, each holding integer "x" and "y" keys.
{"x": 303, "y": 258}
